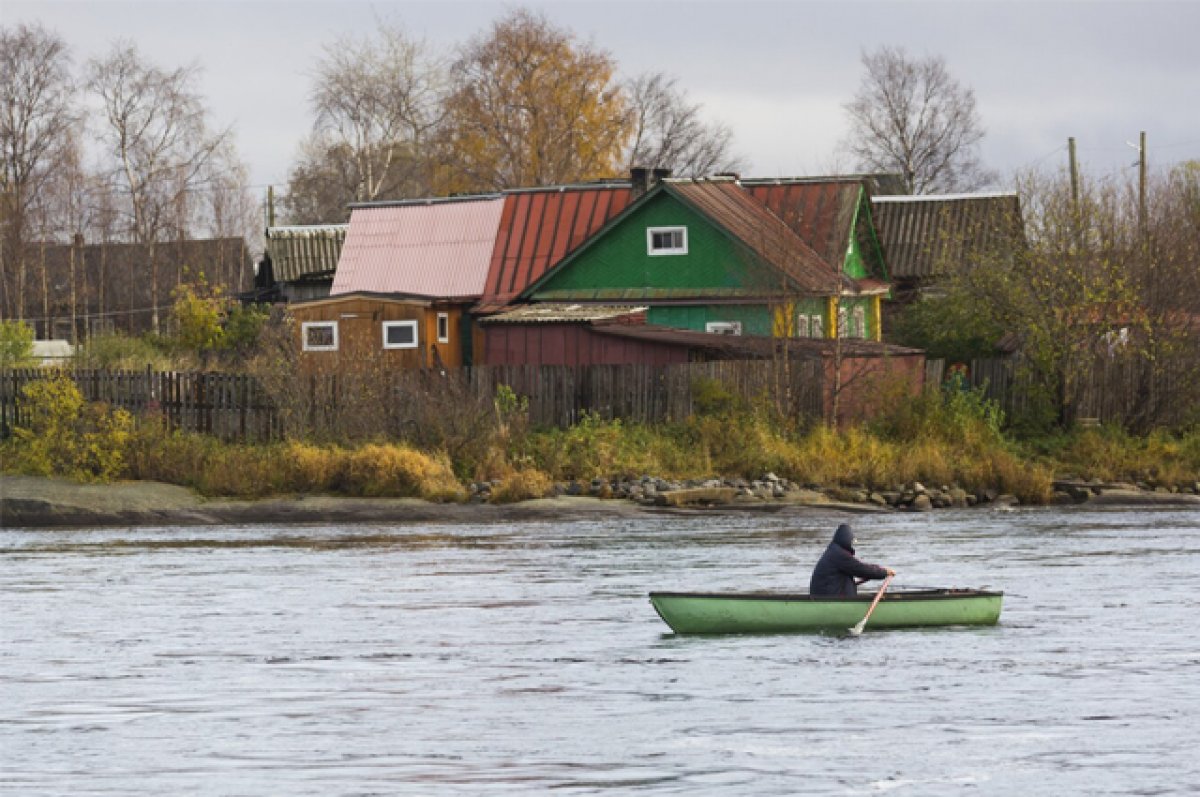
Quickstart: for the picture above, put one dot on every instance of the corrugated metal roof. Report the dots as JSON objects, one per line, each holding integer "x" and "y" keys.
{"x": 820, "y": 210}
{"x": 539, "y": 227}
{"x": 756, "y": 345}
{"x": 923, "y": 236}
{"x": 305, "y": 251}
{"x": 751, "y": 222}
{"x": 438, "y": 249}
{"x": 551, "y": 312}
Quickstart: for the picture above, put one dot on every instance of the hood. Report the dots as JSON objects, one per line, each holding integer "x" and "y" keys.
{"x": 844, "y": 537}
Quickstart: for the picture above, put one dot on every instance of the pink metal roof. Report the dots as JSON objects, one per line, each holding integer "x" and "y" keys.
{"x": 542, "y": 226}
{"x": 439, "y": 248}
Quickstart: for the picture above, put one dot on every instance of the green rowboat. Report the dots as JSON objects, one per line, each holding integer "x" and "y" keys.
{"x": 759, "y": 613}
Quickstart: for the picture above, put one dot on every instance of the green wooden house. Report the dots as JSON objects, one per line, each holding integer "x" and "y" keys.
{"x": 714, "y": 255}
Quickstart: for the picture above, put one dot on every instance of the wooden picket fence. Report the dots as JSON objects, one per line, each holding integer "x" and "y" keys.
{"x": 240, "y": 407}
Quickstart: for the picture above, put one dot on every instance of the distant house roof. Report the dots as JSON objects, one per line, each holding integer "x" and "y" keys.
{"x": 439, "y": 248}
{"x": 924, "y": 236}
{"x": 305, "y": 251}
{"x": 539, "y": 227}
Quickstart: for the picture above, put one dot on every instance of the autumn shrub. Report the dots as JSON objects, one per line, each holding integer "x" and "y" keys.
{"x": 595, "y": 447}
{"x": 522, "y": 485}
{"x": 66, "y": 436}
{"x": 121, "y": 352}
{"x": 397, "y": 470}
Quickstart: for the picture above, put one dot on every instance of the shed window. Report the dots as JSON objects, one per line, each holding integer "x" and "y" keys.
{"x": 399, "y": 334}
{"x": 724, "y": 327}
{"x": 802, "y": 326}
{"x": 818, "y": 326}
{"x": 319, "y": 335}
{"x": 443, "y": 327}
{"x": 666, "y": 240}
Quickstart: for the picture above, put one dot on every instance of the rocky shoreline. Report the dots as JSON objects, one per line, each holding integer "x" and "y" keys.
{"x": 914, "y": 496}
{"x": 53, "y": 503}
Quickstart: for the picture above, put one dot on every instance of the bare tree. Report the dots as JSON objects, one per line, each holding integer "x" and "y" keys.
{"x": 323, "y": 182}
{"x": 380, "y": 100}
{"x": 669, "y": 131}
{"x": 36, "y": 115}
{"x": 159, "y": 143}
{"x": 912, "y": 118}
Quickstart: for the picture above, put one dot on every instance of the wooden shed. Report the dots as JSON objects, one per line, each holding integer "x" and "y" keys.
{"x": 363, "y": 330}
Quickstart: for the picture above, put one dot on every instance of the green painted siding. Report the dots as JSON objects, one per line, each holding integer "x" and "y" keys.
{"x": 755, "y": 319}
{"x": 617, "y": 262}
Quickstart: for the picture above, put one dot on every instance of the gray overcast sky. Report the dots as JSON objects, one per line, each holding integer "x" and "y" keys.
{"x": 776, "y": 72}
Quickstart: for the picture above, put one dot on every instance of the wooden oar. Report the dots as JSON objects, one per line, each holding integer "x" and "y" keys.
{"x": 858, "y": 629}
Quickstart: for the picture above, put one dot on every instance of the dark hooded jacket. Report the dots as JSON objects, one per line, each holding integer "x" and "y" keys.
{"x": 837, "y": 568}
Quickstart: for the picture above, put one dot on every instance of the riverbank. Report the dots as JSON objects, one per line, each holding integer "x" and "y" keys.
{"x": 36, "y": 502}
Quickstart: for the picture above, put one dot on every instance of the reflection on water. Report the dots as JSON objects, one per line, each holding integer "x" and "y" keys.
{"x": 465, "y": 659}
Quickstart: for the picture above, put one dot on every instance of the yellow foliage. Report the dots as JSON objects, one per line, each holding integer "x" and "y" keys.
{"x": 397, "y": 470}
{"x": 522, "y": 485}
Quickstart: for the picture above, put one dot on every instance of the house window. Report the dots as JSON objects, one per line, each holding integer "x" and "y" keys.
{"x": 319, "y": 335}
{"x": 666, "y": 240}
{"x": 818, "y": 326}
{"x": 399, "y": 334}
{"x": 443, "y": 327}
{"x": 843, "y": 330}
{"x": 724, "y": 327}
{"x": 858, "y": 323}
{"x": 802, "y": 326}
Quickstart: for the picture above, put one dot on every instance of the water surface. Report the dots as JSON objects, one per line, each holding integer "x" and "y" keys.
{"x": 520, "y": 659}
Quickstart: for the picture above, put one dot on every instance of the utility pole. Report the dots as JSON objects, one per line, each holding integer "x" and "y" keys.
{"x": 1076, "y": 221}
{"x": 1142, "y": 185}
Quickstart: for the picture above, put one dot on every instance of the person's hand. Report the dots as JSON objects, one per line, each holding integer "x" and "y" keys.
{"x": 890, "y": 571}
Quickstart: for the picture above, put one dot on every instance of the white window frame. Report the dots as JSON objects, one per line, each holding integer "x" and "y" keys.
{"x": 843, "y": 327}
{"x": 724, "y": 327}
{"x": 802, "y": 326}
{"x": 307, "y": 325}
{"x": 676, "y": 250}
{"x": 818, "y": 326}
{"x": 412, "y": 324}
{"x": 443, "y": 323}
{"x": 858, "y": 322}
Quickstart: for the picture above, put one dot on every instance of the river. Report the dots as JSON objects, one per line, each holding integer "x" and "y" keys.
{"x": 522, "y": 659}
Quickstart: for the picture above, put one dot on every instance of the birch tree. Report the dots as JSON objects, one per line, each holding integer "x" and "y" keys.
{"x": 670, "y": 132}
{"x": 158, "y": 144}
{"x": 532, "y": 105}
{"x": 911, "y": 117}
{"x": 36, "y": 116}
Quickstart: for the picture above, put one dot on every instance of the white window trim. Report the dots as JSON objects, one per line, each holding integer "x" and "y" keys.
{"x": 802, "y": 326}
{"x": 443, "y": 318}
{"x": 817, "y": 327}
{"x": 306, "y": 325}
{"x": 412, "y": 323}
{"x": 858, "y": 322}
{"x": 650, "y": 250}
{"x": 724, "y": 327}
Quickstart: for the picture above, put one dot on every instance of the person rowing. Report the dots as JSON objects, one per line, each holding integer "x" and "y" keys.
{"x": 839, "y": 571}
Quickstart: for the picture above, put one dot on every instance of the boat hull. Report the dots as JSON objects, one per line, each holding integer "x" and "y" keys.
{"x": 763, "y": 613}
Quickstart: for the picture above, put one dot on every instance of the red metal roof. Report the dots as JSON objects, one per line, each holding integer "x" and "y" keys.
{"x": 731, "y": 206}
{"x": 820, "y": 210}
{"x": 539, "y": 227}
{"x": 436, "y": 248}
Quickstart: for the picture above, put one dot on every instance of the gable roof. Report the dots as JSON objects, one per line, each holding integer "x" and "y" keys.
{"x": 923, "y": 235}
{"x": 821, "y": 210}
{"x": 729, "y": 205}
{"x": 748, "y": 222}
{"x": 539, "y": 227}
{"x": 303, "y": 251}
{"x": 432, "y": 248}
